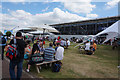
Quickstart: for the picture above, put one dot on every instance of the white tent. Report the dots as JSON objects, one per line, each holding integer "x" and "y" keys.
{"x": 112, "y": 31}
{"x": 36, "y": 32}
{"x": 27, "y": 34}
{"x": 23, "y": 29}
{"x": 46, "y": 28}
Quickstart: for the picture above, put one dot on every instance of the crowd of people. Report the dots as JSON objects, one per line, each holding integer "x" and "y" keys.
{"x": 90, "y": 47}
{"x": 38, "y": 53}
{"x": 63, "y": 42}
{"x": 35, "y": 54}
{"x": 43, "y": 54}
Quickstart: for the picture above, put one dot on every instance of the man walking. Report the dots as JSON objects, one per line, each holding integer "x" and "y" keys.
{"x": 18, "y": 61}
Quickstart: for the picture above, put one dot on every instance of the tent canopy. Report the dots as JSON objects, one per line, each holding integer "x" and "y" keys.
{"x": 27, "y": 34}
{"x": 46, "y": 28}
{"x": 25, "y": 30}
{"x": 38, "y": 32}
{"x": 112, "y": 31}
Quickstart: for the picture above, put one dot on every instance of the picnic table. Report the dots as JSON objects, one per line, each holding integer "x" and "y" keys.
{"x": 38, "y": 65}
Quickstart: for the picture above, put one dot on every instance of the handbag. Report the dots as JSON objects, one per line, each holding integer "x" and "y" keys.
{"x": 37, "y": 58}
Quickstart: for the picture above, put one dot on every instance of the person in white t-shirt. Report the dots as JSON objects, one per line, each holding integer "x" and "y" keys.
{"x": 67, "y": 43}
{"x": 87, "y": 46}
{"x": 59, "y": 52}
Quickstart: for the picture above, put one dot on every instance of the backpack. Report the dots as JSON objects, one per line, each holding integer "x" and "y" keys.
{"x": 89, "y": 53}
{"x": 12, "y": 51}
{"x": 56, "y": 67}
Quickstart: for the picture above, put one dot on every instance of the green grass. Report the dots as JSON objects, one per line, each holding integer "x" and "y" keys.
{"x": 103, "y": 64}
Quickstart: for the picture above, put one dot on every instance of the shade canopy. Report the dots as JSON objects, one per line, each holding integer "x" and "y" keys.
{"x": 38, "y": 32}
{"x": 112, "y": 31}
{"x": 24, "y": 30}
{"x": 27, "y": 34}
{"x": 46, "y": 28}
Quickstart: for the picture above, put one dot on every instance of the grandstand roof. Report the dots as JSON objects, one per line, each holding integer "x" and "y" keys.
{"x": 87, "y": 20}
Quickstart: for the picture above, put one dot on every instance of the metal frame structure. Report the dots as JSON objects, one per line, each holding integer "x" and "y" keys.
{"x": 87, "y": 27}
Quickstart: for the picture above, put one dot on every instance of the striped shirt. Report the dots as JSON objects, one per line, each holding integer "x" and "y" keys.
{"x": 49, "y": 54}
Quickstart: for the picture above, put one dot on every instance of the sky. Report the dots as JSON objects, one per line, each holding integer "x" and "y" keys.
{"x": 25, "y": 13}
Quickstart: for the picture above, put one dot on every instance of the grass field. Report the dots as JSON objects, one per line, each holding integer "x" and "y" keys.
{"x": 103, "y": 64}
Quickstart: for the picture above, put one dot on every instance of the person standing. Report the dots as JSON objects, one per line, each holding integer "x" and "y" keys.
{"x": 2, "y": 46}
{"x": 18, "y": 61}
{"x": 62, "y": 43}
{"x": 33, "y": 39}
{"x": 68, "y": 42}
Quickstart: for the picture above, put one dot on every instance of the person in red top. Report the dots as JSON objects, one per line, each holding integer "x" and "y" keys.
{"x": 58, "y": 41}
{"x": 58, "y": 37}
{"x": 43, "y": 42}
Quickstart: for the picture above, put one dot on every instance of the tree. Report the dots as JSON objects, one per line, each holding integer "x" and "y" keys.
{"x": 0, "y": 33}
{"x": 8, "y": 33}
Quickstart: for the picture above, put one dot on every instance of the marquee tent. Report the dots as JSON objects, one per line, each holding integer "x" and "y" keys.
{"x": 27, "y": 34}
{"x": 112, "y": 31}
{"x": 36, "y": 32}
{"x": 45, "y": 28}
{"x": 24, "y": 29}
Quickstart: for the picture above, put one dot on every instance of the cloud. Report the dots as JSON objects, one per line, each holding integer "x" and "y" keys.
{"x": 14, "y": 0}
{"x": 81, "y": 7}
{"x": 0, "y": 6}
{"x": 78, "y": 6}
{"x": 45, "y": 9}
{"x": 112, "y": 4}
{"x": 8, "y": 10}
{"x": 92, "y": 15}
{"x": 24, "y": 0}
{"x": 25, "y": 19}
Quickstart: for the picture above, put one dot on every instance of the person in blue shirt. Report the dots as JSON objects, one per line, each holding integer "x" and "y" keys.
{"x": 49, "y": 53}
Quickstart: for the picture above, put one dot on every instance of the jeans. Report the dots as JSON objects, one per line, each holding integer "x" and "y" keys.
{"x": 12, "y": 69}
{"x": 3, "y": 47}
{"x": 2, "y": 51}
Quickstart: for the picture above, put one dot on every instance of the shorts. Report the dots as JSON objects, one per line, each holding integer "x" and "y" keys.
{"x": 93, "y": 49}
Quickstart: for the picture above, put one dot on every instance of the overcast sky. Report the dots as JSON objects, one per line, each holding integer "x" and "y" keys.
{"x": 24, "y": 13}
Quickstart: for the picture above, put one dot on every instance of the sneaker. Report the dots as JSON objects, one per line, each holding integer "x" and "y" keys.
{"x": 27, "y": 70}
{"x": 118, "y": 66}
